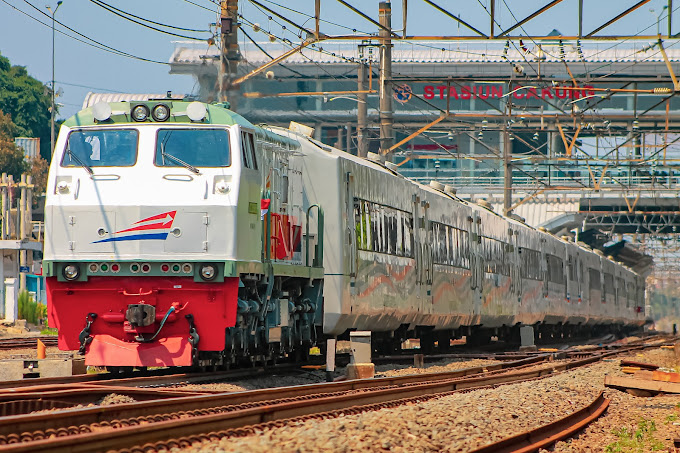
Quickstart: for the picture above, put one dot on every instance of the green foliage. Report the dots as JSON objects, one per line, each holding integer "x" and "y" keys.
{"x": 11, "y": 157}
{"x": 29, "y": 309}
{"x": 27, "y": 101}
{"x": 636, "y": 440}
{"x": 49, "y": 331}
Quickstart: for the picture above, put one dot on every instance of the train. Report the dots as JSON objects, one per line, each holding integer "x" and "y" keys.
{"x": 180, "y": 234}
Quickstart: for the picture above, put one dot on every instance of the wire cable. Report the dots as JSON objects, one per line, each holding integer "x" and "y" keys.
{"x": 96, "y": 45}
{"x": 100, "y": 3}
{"x": 112, "y": 10}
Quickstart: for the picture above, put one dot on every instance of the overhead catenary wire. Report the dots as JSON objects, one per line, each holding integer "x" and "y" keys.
{"x": 102, "y": 4}
{"x": 91, "y": 42}
{"x": 122, "y": 15}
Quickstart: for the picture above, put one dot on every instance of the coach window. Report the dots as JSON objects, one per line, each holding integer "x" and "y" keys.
{"x": 531, "y": 264}
{"x": 630, "y": 299}
{"x": 555, "y": 269}
{"x": 101, "y": 148}
{"x": 594, "y": 279}
{"x": 383, "y": 229}
{"x": 609, "y": 284}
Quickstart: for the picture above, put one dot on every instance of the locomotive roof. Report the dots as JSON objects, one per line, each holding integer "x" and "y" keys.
{"x": 216, "y": 115}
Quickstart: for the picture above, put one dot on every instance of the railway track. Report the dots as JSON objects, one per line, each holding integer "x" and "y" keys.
{"x": 22, "y": 343}
{"x": 187, "y": 419}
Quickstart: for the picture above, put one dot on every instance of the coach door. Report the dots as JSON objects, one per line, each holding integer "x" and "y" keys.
{"x": 515, "y": 265}
{"x": 428, "y": 259}
{"x": 476, "y": 263}
{"x": 421, "y": 254}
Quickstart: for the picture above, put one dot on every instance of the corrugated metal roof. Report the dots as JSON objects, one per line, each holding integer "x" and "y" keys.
{"x": 31, "y": 146}
{"x": 188, "y": 52}
{"x": 92, "y": 98}
{"x": 539, "y": 212}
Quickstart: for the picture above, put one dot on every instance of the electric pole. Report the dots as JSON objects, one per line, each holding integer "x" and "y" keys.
{"x": 386, "y": 115}
{"x": 362, "y": 106}
{"x": 229, "y": 52}
{"x": 53, "y": 105}
{"x": 507, "y": 157}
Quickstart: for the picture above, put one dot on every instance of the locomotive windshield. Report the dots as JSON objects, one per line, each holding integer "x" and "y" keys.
{"x": 192, "y": 148}
{"x": 101, "y": 148}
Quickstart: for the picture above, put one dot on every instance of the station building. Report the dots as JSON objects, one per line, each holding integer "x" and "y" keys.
{"x": 478, "y": 83}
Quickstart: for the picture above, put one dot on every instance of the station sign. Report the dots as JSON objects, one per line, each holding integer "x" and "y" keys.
{"x": 489, "y": 91}
{"x": 24, "y": 269}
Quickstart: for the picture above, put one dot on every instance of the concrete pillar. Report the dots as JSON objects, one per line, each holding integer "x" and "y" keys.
{"x": 11, "y": 299}
{"x": 2, "y": 285}
{"x": 330, "y": 358}
{"x": 526, "y": 335}
{"x": 360, "y": 366}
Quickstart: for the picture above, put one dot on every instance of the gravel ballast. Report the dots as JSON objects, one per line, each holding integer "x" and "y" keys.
{"x": 465, "y": 421}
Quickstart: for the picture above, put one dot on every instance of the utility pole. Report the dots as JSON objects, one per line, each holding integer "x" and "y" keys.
{"x": 52, "y": 108}
{"x": 229, "y": 52}
{"x": 362, "y": 106}
{"x": 386, "y": 114}
{"x": 507, "y": 157}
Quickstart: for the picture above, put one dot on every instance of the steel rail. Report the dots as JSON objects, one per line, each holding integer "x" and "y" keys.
{"x": 155, "y": 379}
{"x": 546, "y": 435}
{"x": 138, "y": 434}
{"x": 244, "y": 408}
{"x": 80, "y": 416}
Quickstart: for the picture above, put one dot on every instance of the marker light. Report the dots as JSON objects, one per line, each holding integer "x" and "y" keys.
{"x": 187, "y": 268}
{"x": 115, "y": 267}
{"x": 161, "y": 112}
{"x": 104, "y": 267}
{"x": 94, "y": 267}
{"x": 146, "y": 268}
{"x": 196, "y": 111}
{"x": 134, "y": 267}
{"x": 140, "y": 112}
{"x": 101, "y": 111}
{"x": 165, "y": 267}
{"x": 221, "y": 187}
{"x": 71, "y": 272}
{"x": 208, "y": 272}
{"x": 62, "y": 187}
{"x": 175, "y": 268}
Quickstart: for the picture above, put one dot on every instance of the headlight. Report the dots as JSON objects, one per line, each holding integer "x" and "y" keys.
{"x": 140, "y": 112}
{"x": 208, "y": 272}
{"x": 71, "y": 272}
{"x": 161, "y": 112}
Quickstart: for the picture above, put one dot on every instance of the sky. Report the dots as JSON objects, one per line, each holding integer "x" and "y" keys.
{"x": 80, "y": 68}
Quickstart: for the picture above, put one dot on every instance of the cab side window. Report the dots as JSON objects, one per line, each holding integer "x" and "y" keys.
{"x": 248, "y": 150}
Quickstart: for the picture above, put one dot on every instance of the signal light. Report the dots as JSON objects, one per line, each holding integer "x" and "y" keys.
{"x": 187, "y": 268}
{"x": 134, "y": 268}
{"x": 208, "y": 272}
{"x": 165, "y": 267}
{"x": 94, "y": 267}
{"x": 104, "y": 267}
{"x": 115, "y": 267}
{"x": 175, "y": 268}
{"x": 71, "y": 272}
{"x": 146, "y": 268}
{"x": 140, "y": 112}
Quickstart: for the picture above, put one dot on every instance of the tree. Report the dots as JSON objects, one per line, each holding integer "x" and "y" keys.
{"x": 27, "y": 101}
{"x": 38, "y": 168}
{"x": 11, "y": 157}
